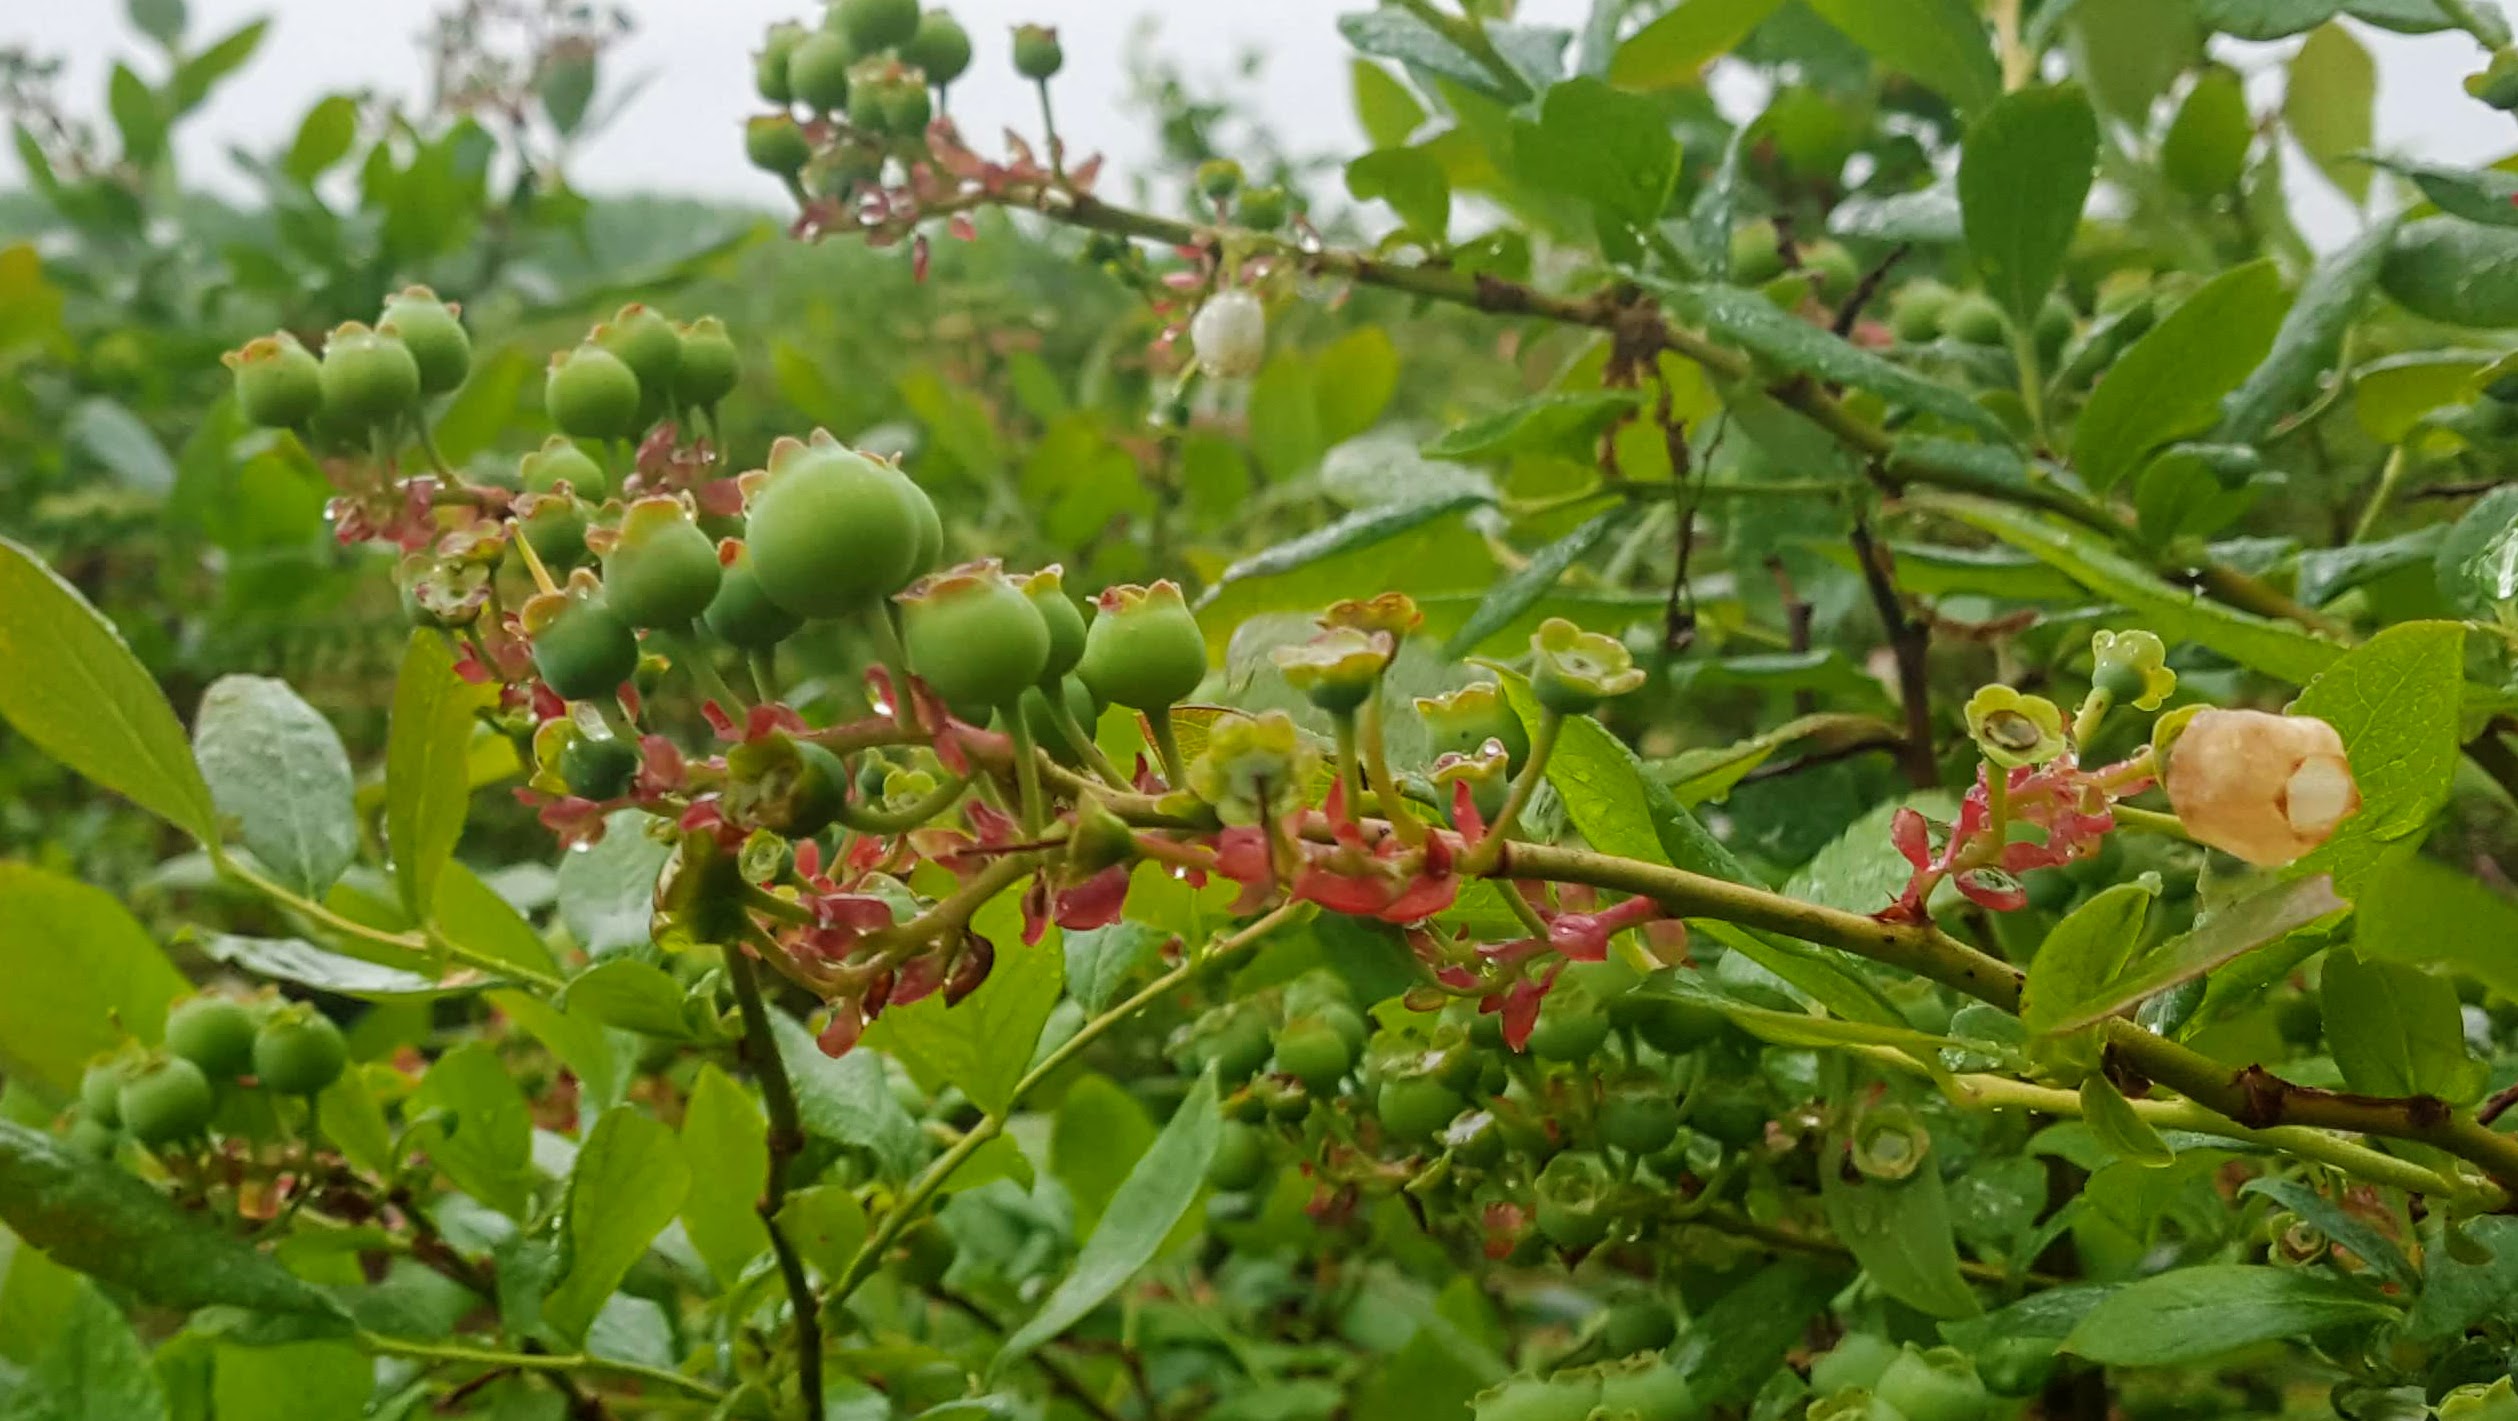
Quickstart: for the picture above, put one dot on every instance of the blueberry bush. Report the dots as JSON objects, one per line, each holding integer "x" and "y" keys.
{"x": 1838, "y": 754}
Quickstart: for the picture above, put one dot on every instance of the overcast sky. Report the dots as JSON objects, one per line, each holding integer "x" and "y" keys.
{"x": 682, "y": 133}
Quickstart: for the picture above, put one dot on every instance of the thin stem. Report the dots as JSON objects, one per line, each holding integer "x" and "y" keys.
{"x": 2151, "y": 821}
{"x": 1167, "y": 746}
{"x": 1026, "y": 767}
{"x": 1086, "y": 748}
{"x": 449, "y": 1352}
{"x": 1049, "y": 132}
{"x": 1489, "y": 850}
{"x": 885, "y": 823}
{"x": 786, "y": 1141}
{"x": 2390, "y": 482}
{"x": 533, "y": 564}
{"x": 1394, "y": 805}
{"x": 1065, "y": 1381}
{"x": 691, "y": 651}
{"x": 762, "y": 664}
{"x": 1348, "y": 786}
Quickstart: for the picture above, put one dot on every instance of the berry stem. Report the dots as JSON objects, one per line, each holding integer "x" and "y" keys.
{"x": 1167, "y": 746}
{"x": 1072, "y": 731}
{"x": 763, "y": 666}
{"x": 1348, "y": 787}
{"x": 1394, "y": 805}
{"x": 688, "y": 648}
{"x": 1489, "y": 850}
{"x": 1026, "y": 766}
{"x": 541, "y": 575}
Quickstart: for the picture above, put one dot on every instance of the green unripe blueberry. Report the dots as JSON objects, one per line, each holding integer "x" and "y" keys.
{"x": 1262, "y": 209}
{"x": 1975, "y": 319}
{"x": 432, "y": 330}
{"x": 1638, "y": 1325}
{"x": 1916, "y": 310}
{"x": 877, "y": 24}
{"x": 599, "y": 770}
{"x": 1037, "y": 55}
{"x": 1048, "y": 734}
{"x": 167, "y": 1102}
{"x": 299, "y": 1052}
{"x": 1565, "y": 1396}
{"x": 710, "y": 366}
{"x": 2056, "y": 321}
{"x": 100, "y": 1091}
{"x": 591, "y": 393}
{"x": 559, "y": 461}
{"x": 367, "y": 378}
{"x": 742, "y": 614}
{"x": 93, "y": 1138}
{"x": 1639, "y": 1116}
{"x": 769, "y": 64}
{"x": 213, "y": 1032}
{"x": 973, "y": 636}
{"x": 581, "y": 647}
{"x": 1648, "y": 1389}
{"x": 663, "y": 572}
{"x": 1144, "y": 650}
{"x": 1832, "y": 269}
{"x": 1241, "y": 1157}
{"x": 907, "y": 108}
{"x": 776, "y": 143}
{"x": 831, "y": 532}
{"x": 865, "y": 103}
{"x": 556, "y": 530}
{"x": 1218, "y": 179}
{"x": 1856, "y": 1361}
{"x": 279, "y": 384}
{"x": 649, "y": 345}
{"x": 817, "y": 71}
{"x": 1757, "y": 254}
{"x": 1314, "y": 1052}
{"x": 1572, "y": 1024}
{"x": 1667, "y": 1024}
{"x": 2017, "y": 1366}
{"x": 1058, "y": 612}
{"x": 1416, "y": 1108}
{"x": 1574, "y": 1200}
{"x": 941, "y": 47}
{"x": 1935, "y": 1385}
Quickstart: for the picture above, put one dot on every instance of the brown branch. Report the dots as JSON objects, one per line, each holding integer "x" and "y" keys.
{"x": 786, "y": 1141}
{"x": 1910, "y": 640}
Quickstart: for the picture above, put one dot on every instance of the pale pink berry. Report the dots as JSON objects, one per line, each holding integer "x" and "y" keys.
{"x": 2267, "y": 788}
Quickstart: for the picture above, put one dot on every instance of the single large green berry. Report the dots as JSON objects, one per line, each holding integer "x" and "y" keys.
{"x": 907, "y": 108}
{"x": 1757, "y": 254}
{"x": 299, "y": 1052}
{"x": 650, "y": 346}
{"x": 941, "y": 47}
{"x": 592, "y": 393}
{"x": 92, "y": 1137}
{"x": 710, "y": 367}
{"x": 769, "y": 63}
{"x": 742, "y": 615}
{"x": 556, "y": 531}
{"x": 973, "y": 636}
{"x": 1037, "y": 55}
{"x": 213, "y": 1032}
{"x": 1416, "y": 1108}
{"x": 1572, "y": 1024}
{"x": 663, "y": 571}
{"x": 1144, "y": 650}
{"x": 1935, "y": 1385}
{"x": 793, "y": 788}
{"x": 1639, "y": 1116}
{"x": 1669, "y": 1025}
{"x": 2056, "y": 323}
{"x": 2017, "y": 1366}
{"x": 1241, "y": 1157}
{"x": 877, "y": 24}
{"x": 433, "y": 331}
{"x": 559, "y": 461}
{"x": 775, "y": 143}
{"x": 279, "y": 384}
{"x": 166, "y": 1102}
{"x": 1915, "y": 310}
{"x": 1832, "y": 270}
{"x": 817, "y": 71}
{"x": 1856, "y": 1361}
{"x": 1047, "y": 590}
{"x": 1648, "y": 1389}
{"x": 1563, "y": 1396}
{"x": 600, "y": 770}
{"x": 1263, "y": 209}
{"x": 1975, "y": 319}
{"x": 1638, "y": 1325}
{"x": 100, "y": 1091}
{"x": 1574, "y": 1200}
{"x": 930, "y": 525}
{"x": 368, "y": 379}
{"x": 1312, "y": 1050}
{"x": 1731, "y": 1112}
{"x": 582, "y": 647}
{"x": 831, "y": 532}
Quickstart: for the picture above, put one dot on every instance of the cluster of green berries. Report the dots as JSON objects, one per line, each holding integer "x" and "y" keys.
{"x": 214, "y": 1045}
{"x": 369, "y": 379}
{"x": 1866, "y": 1377}
{"x": 874, "y": 63}
{"x": 1221, "y": 182}
{"x": 635, "y": 369}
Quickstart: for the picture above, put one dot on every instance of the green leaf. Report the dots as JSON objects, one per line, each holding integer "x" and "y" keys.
{"x": 472, "y": 914}
{"x": 847, "y": 1101}
{"x": 426, "y": 790}
{"x": 1733, "y": 1346}
{"x": 291, "y": 1382}
{"x": 2266, "y": 19}
{"x": 1553, "y": 423}
{"x": 68, "y": 684}
{"x": 1900, "y": 1232}
{"x": 2485, "y": 195}
{"x": 2330, "y": 105}
{"x": 288, "y": 959}
{"x": 1710, "y": 773}
{"x": 1398, "y": 35}
{"x": 102, "y": 1220}
{"x": 195, "y": 77}
{"x": 1100, "y": 1134}
{"x": 472, "y": 1118}
{"x": 2023, "y": 175}
{"x": 2343, "y": 1226}
{"x": 90, "y": 1368}
{"x": 2191, "y": 1314}
{"x": 1154, "y": 1198}
{"x": 2396, "y": 1030}
{"x": 2394, "y": 700}
{"x": 1675, "y": 48}
{"x": 353, "y": 1121}
{"x": 2456, "y": 272}
{"x": 160, "y": 20}
{"x": 1613, "y": 150}
{"x": 2118, "y": 1126}
{"x": 107, "y": 431}
{"x": 1388, "y": 113}
{"x": 604, "y": 1061}
{"x": 826, "y": 1224}
{"x": 2311, "y": 337}
{"x": 277, "y": 768}
{"x": 81, "y": 973}
{"x": 1100, "y": 961}
{"x": 2243, "y": 926}
{"x": 1941, "y": 44}
{"x": 2418, "y": 911}
{"x": 2083, "y": 953}
{"x": 1535, "y": 579}
{"x": 1414, "y": 185}
{"x": 1421, "y": 547}
{"x": 324, "y": 137}
{"x": 631, "y": 995}
{"x": 607, "y": 891}
{"x": 629, "y": 1182}
{"x": 138, "y": 118}
{"x": 1356, "y": 374}
{"x": 2168, "y": 385}
{"x": 985, "y": 1043}
{"x": 726, "y": 1134}
{"x": 1773, "y": 334}
{"x": 2275, "y": 648}
{"x": 2205, "y": 151}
